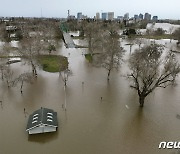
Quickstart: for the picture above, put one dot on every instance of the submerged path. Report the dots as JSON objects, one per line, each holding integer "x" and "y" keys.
{"x": 68, "y": 40}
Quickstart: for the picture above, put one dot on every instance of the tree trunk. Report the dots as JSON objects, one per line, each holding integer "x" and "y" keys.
{"x": 130, "y": 48}
{"x": 22, "y": 86}
{"x": 2, "y": 74}
{"x": 34, "y": 69}
{"x": 109, "y": 72}
{"x": 141, "y": 100}
{"x": 8, "y": 83}
{"x": 65, "y": 82}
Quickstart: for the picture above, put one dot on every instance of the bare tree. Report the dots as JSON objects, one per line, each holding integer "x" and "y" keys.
{"x": 6, "y": 49}
{"x": 171, "y": 29}
{"x": 65, "y": 75}
{"x": 176, "y": 34}
{"x": 8, "y": 76}
{"x": 25, "y": 77}
{"x": 159, "y": 31}
{"x": 149, "y": 70}
{"x": 49, "y": 37}
{"x": 4, "y": 35}
{"x": 131, "y": 42}
{"x": 28, "y": 50}
{"x": 2, "y": 68}
{"x": 93, "y": 36}
{"x": 139, "y": 41}
{"x": 112, "y": 54}
{"x": 150, "y": 30}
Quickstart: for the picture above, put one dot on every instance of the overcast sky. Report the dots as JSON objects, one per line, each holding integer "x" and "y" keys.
{"x": 58, "y": 8}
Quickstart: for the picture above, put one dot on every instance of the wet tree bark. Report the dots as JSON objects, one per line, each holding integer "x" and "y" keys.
{"x": 22, "y": 86}
{"x": 141, "y": 100}
{"x": 2, "y": 74}
{"x": 109, "y": 72}
{"x": 130, "y": 48}
{"x": 65, "y": 82}
{"x": 34, "y": 69}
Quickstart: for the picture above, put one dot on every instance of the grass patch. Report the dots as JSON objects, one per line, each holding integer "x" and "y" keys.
{"x": 9, "y": 56}
{"x": 53, "y": 63}
{"x": 89, "y": 57}
{"x": 78, "y": 37}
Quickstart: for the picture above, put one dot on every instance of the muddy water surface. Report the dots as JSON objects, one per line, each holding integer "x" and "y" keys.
{"x": 113, "y": 125}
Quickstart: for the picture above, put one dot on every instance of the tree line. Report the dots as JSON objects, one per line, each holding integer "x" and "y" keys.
{"x": 148, "y": 68}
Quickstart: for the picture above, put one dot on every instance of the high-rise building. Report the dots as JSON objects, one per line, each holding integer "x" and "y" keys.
{"x": 155, "y": 18}
{"x": 79, "y": 15}
{"x": 136, "y": 18}
{"x": 97, "y": 15}
{"x": 141, "y": 16}
{"x": 110, "y": 15}
{"x": 147, "y": 16}
{"x": 84, "y": 16}
{"x": 120, "y": 18}
{"x": 126, "y": 16}
{"x": 104, "y": 16}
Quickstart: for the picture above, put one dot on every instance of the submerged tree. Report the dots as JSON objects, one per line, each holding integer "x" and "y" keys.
{"x": 8, "y": 76}
{"x": 25, "y": 77}
{"x": 28, "y": 49}
{"x": 2, "y": 71}
{"x": 131, "y": 42}
{"x": 65, "y": 75}
{"x": 112, "y": 54}
{"x": 171, "y": 29}
{"x": 176, "y": 34}
{"x": 93, "y": 36}
{"x": 159, "y": 31}
{"x": 149, "y": 70}
{"x": 139, "y": 41}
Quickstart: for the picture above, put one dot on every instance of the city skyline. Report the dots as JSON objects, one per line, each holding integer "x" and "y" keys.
{"x": 55, "y": 8}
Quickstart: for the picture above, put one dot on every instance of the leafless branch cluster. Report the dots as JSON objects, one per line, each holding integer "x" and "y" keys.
{"x": 149, "y": 71}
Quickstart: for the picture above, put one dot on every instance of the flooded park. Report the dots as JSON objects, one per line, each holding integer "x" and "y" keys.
{"x": 94, "y": 116}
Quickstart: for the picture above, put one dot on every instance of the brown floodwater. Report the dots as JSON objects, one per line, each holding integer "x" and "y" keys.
{"x": 113, "y": 125}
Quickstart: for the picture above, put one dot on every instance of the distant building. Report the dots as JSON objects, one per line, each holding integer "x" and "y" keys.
{"x": 97, "y": 16}
{"x": 84, "y": 16}
{"x": 79, "y": 15}
{"x": 155, "y": 18}
{"x": 110, "y": 15}
{"x": 141, "y": 16}
{"x": 131, "y": 21}
{"x": 104, "y": 16}
{"x": 11, "y": 28}
{"x": 120, "y": 18}
{"x": 136, "y": 18}
{"x": 126, "y": 16}
{"x": 42, "y": 121}
{"x": 147, "y": 16}
{"x": 72, "y": 17}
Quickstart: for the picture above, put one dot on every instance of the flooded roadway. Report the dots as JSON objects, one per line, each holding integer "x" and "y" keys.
{"x": 113, "y": 125}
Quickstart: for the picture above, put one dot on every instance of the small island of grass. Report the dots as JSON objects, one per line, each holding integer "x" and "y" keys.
{"x": 89, "y": 57}
{"x": 53, "y": 63}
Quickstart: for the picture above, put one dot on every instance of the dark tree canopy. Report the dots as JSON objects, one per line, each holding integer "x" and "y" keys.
{"x": 176, "y": 34}
{"x": 149, "y": 70}
{"x": 159, "y": 31}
